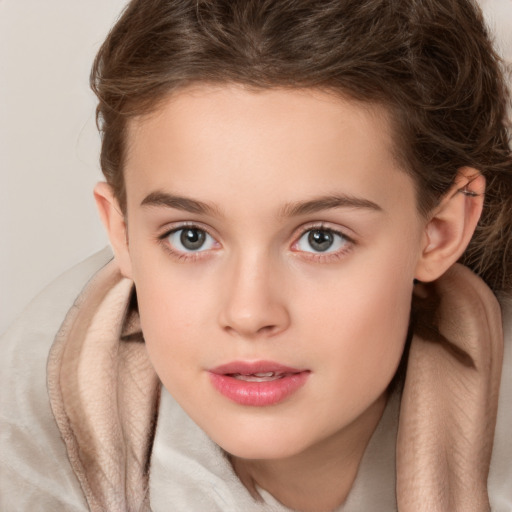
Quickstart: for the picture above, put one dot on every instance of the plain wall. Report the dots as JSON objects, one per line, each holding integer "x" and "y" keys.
{"x": 48, "y": 140}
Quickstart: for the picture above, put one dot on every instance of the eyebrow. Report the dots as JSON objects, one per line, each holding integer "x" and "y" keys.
{"x": 293, "y": 209}
{"x": 328, "y": 203}
{"x": 179, "y": 203}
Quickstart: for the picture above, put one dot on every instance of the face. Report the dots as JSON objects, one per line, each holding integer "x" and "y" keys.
{"x": 273, "y": 242}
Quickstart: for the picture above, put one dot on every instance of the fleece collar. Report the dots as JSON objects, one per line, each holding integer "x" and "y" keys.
{"x": 105, "y": 394}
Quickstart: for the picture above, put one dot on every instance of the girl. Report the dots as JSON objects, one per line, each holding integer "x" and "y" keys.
{"x": 290, "y": 185}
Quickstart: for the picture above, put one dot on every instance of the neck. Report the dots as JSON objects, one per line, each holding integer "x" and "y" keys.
{"x": 319, "y": 478}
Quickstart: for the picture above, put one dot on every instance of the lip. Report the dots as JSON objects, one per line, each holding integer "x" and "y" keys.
{"x": 257, "y": 394}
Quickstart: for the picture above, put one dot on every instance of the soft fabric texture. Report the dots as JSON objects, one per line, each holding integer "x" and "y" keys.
{"x": 105, "y": 396}
{"x": 450, "y": 398}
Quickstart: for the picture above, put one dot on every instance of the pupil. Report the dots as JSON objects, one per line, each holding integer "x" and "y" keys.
{"x": 192, "y": 238}
{"x": 320, "y": 240}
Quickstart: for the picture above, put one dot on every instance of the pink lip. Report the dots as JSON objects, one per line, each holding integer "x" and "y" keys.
{"x": 257, "y": 393}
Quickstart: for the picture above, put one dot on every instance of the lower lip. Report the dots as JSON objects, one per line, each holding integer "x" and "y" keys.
{"x": 258, "y": 394}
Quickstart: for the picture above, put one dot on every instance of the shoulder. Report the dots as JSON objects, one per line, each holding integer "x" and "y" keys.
{"x": 34, "y": 470}
{"x": 500, "y": 475}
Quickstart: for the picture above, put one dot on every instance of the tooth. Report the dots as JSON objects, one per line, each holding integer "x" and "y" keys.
{"x": 258, "y": 377}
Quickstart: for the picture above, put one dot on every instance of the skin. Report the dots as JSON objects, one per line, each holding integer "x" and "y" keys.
{"x": 257, "y": 290}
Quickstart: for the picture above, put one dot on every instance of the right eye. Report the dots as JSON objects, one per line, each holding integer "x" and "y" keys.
{"x": 322, "y": 240}
{"x": 190, "y": 239}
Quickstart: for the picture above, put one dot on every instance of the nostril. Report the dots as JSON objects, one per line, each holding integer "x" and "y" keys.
{"x": 249, "y": 331}
{"x": 267, "y": 329}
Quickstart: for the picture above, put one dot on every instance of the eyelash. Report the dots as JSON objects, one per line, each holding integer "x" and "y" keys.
{"x": 183, "y": 255}
{"x": 326, "y": 257}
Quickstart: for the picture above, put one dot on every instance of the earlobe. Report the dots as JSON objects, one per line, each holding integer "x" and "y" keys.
{"x": 451, "y": 225}
{"x": 115, "y": 225}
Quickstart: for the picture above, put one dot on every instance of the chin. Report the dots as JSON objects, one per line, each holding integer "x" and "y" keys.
{"x": 251, "y": 452}
{"x": 258, "y": 446}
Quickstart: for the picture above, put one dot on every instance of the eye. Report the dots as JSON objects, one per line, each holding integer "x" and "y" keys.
{"x": 190, "y": 239}
{"x": 321, "y": 240}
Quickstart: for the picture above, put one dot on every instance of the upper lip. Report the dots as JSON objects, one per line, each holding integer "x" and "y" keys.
{"x": 252, "y": 367}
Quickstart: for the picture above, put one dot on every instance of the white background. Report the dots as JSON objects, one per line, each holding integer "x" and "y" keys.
{"x": 48, "y": 141}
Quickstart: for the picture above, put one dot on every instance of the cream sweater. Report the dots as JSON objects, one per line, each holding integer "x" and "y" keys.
{"x": 188, "y": 472}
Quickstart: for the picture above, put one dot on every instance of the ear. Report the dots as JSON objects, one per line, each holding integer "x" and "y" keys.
{"x": 451, "y": 225}
{"x": 115, "y": 224}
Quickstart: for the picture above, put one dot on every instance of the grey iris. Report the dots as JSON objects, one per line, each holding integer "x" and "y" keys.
{"x": 192, "y": 239}
{"x": 320, "y": 240}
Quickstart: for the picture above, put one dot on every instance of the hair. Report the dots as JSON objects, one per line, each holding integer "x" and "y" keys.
{"x": 430, "y": 63}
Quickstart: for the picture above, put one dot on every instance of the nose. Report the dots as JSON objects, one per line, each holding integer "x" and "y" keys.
{"x": 253, "y": 299}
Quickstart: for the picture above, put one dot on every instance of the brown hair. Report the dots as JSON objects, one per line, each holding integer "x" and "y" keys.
{"x": 430, "y": 62}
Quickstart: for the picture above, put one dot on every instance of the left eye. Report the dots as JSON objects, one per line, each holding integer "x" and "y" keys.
{"x": 321, "y": 240}
{"x": 190, "y": 239}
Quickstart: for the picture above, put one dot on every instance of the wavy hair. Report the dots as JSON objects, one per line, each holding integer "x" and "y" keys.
{"x": 431, "y": 63}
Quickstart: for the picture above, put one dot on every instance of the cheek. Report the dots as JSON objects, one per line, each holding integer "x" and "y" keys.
{"x": 173, "y": 347}
{"x": 174, "y": 309}
{"x": 382, "y": 318}
{"x": 365, "y": 321}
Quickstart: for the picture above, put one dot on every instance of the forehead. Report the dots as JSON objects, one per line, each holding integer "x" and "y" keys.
{"x": 266, "y": 141}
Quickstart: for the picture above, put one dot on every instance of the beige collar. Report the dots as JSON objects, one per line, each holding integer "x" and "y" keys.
{"x": 104, "y": 395}
{"x": 450, "y": 399}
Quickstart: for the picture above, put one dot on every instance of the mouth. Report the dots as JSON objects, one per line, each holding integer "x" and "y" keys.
{"x": 260, "y": 383}
{"x": 257, "y": 377}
